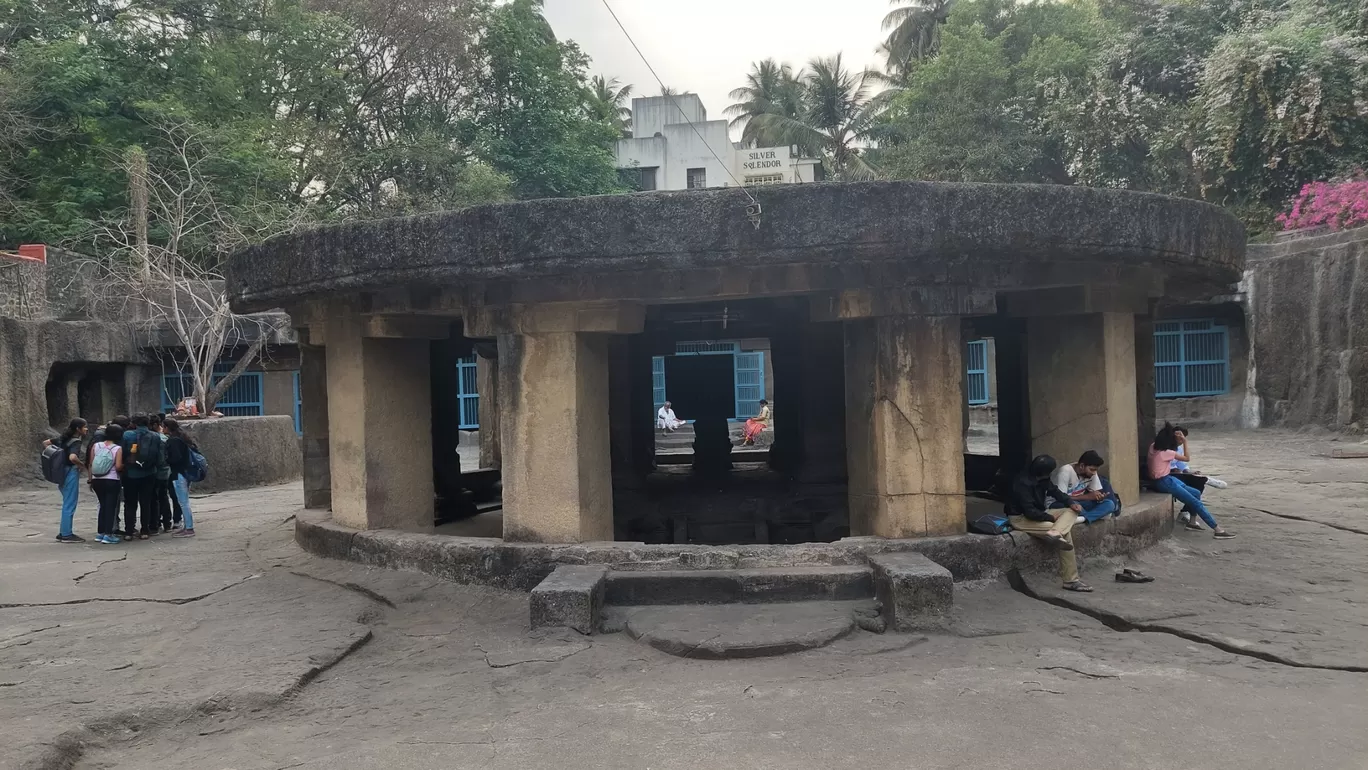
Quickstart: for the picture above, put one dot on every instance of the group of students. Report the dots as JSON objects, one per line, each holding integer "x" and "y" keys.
{"x": 1046, "y": 500}
{"x": 146, "y": 461}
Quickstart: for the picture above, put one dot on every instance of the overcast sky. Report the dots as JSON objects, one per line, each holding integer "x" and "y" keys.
{"x": 707, "y": 46}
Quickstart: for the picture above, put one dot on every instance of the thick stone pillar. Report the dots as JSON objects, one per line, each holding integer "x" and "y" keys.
{"x": 903, "y": 432}
{"x": 553, "y": 404}
{"x": 379, "y": 426}
{"x": 641, "y": 387}
{"x": 487, "y": 384}
{"x": 557, "y": 479}
{"x": 824, "y": 403}
{"x": 1012, "y": 387}
{"x": 1146, "y": 410}
{"x": 313, "y": 420}
{"x": 786, "y": 354}
{"x": 1082, "y": 371}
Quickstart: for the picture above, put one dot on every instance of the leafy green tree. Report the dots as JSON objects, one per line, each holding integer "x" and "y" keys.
{"x": 608, "y": 101}
{"x": 914, "y": 32}
{"x": 837, "y": 121}
{"x": 1280, "y": 102}
{"x": 952, "y": 122}
{"x": 771, "y": 89}
{"x": 529, "y": 117}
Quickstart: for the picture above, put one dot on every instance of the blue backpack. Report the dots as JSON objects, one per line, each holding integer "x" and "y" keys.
{"x": 990, "y": 525}
{"x": 198, "y": 469}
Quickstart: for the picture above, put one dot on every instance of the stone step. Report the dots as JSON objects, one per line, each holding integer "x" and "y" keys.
{"x": 738, "y": 586}
{"x": 729, "y": 631}
{"x": 898, "y": 591}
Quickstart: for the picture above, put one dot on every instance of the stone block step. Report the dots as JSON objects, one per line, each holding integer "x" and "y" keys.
{"x": 728, "y": 631}
{"x": 738, "y": 586}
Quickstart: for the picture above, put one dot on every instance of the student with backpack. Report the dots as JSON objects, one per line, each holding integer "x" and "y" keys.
{"x": 142, "y": 452}
{"x": 62, "y": 465}
{"x": 185, "y": 460}
{"x": 161, "y": 487}
{"x": 106, "y": 465}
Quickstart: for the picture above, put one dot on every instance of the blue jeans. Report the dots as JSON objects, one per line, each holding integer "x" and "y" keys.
{"x": 71, "y": 490}
{"x": 1185, "y": 495}
{"x": 1093, "y": 510}
{"x": 181, "y": 487}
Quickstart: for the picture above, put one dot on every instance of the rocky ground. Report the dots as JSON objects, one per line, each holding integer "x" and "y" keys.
{"x": 234, "y": 650}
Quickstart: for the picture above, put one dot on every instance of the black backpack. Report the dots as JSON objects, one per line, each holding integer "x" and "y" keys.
{"x": 145, "y": 450}
{"x": 55, "y": 463}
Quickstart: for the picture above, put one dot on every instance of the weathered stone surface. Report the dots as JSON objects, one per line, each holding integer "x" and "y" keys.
{"x": 246, "y": 451}
{"x": 915, "y": 592}
{"x": 520, "y": 566}
{"x": 853, "y": 235}
{"x": 570, "y": 596}
{"x": 1307, "y": 305}
{"x": 774, "y": 584}
{"x": 740, "y": 631}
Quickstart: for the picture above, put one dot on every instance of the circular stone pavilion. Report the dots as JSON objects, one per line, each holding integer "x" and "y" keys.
{"x": 867, "y": 294}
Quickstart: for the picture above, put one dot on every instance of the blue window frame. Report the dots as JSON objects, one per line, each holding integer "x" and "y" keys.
{"x": 299, "y": 424}
{"x": 658, "y": 382}
{"x": 469, "y": 392}
{"x": 976, "y": 372}
{"x": 750, "y": 383}
{"x": 241, "y": 399}
{"x": 1191, "y": 358}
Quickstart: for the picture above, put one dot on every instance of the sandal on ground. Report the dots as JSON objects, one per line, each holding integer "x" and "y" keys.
{"x": 1133, "y": 576}
{"x": 1078, "y": 586}
{"x": 144, "y": 536}
{"x": 1224, "y": 535}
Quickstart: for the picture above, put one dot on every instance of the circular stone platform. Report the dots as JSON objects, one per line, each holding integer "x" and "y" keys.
{"x": 846, "y": 234}
{"x": 521, "y": 566}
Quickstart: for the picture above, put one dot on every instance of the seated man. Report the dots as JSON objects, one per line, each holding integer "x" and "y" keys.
{"x": 1026, "y": 511}
{"x": 666, "y": 420}
{"x": 1081, "y": 482}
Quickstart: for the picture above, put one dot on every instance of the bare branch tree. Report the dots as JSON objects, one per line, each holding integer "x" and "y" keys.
{"x": 169, "y": 282}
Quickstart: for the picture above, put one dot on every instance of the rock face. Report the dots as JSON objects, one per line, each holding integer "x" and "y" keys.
{"x": 247, "y": 451}
{"x": 1308, "y": 302}
{"x": 51, "y": 371}
{"x": 850, "y": 234}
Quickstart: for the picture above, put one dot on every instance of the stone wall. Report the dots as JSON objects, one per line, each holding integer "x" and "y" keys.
{"x": 28, "y": 352}
{"x": 246, "y": 451}
{"x": 1308, "y": 303}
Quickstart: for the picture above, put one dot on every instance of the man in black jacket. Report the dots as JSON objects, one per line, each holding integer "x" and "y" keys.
{"x": 1028, "y": 512}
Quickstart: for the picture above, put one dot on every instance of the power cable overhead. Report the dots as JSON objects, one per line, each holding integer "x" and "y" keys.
{"x": 752, "y": 210}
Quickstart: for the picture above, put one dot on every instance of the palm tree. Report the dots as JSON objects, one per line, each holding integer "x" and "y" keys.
{"x": 914, "y": 32}
{"x": 771, "y": 88}
{"x": 608, "y": 100}
{"x": 837, "y": 119}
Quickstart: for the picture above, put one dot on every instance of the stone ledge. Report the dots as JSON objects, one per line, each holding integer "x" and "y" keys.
{"x": 571, "y": 596}
{"x": 521, "y": 566}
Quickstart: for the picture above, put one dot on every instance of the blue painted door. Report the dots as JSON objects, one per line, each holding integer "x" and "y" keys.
{"x": 468, "y": 390}
{"x": 977, "y": 372}
{"x": 750, "y": 383}
{"x": 657, "y": 383}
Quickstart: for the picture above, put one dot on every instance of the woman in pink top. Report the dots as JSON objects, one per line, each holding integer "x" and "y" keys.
{"x": 106, "y": 485}
{"x": 1162, "y": 453}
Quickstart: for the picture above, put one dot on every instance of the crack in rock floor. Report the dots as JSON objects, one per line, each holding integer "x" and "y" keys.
{"x": 1118, "y": 623}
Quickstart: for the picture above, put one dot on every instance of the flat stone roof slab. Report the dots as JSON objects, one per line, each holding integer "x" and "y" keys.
{"x": 933, "y": 233}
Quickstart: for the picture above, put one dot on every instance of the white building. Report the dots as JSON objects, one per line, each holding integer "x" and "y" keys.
{"x": 667, "y": 153}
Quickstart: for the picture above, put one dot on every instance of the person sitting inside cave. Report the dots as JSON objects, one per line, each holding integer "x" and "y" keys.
{"x": 756, "y": 425}
{"x": 666, "y": 420}
{"x": 1027, "y": 512}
